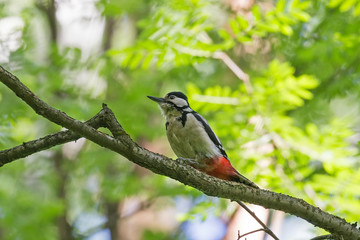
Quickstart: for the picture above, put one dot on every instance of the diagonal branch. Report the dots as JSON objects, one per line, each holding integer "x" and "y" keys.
{"x": 265, "y": 228}
{"x": 159, "y": 164}
{"x": 234, "y": 68}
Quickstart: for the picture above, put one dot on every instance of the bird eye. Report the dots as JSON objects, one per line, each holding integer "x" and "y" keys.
{"x": 172, "y": 97}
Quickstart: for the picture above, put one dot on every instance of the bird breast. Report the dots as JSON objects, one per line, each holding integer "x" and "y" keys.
{"x": 190, "y": 140}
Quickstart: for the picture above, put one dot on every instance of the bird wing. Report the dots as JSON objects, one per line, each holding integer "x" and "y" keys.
{"x": 211, "y": 133}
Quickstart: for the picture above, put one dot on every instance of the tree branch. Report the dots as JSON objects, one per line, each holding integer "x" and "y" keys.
{"x": 31, "y": 147}
{"x": 160, "y": 164}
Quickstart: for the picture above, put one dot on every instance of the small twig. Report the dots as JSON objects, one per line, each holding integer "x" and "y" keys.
{"x": 265, "y": 228}
{"x": 231, "y": 65}
{"x": 235, "y": 69}
{"x": 257, "y": 230}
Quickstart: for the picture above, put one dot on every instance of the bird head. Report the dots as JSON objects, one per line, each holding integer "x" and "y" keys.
{"x": 173, "y": 103}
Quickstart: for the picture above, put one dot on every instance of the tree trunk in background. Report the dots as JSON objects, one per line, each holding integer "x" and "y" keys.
{"x": 108, "y": 33}
{"x": 112, "y": 218}
{"x": 64, "y": 228}
{"x": 51, "y": 14}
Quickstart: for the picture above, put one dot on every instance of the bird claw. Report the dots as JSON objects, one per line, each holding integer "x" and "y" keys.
{"x": 187, "y": 161}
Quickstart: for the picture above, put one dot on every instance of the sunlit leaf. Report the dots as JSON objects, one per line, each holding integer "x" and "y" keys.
{"x": 347, "y": 4}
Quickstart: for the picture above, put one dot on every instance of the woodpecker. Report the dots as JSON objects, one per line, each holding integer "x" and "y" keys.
{"x": 193, "y": 141}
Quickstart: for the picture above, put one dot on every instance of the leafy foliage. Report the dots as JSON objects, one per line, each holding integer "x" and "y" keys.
{"x": 171, "y": 42}
{"x": 346, "y": 5}
{"x": 277, "y": 20}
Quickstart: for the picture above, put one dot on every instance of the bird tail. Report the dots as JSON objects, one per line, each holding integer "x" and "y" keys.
{"x": 221, "y": 168}
{"x": 241, "y": 179}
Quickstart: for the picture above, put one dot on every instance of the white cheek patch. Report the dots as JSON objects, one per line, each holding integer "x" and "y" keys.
{"x": 179, "y": 102}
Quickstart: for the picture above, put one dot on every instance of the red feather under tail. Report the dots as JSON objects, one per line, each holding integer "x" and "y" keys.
{"x": 221, "y": 168}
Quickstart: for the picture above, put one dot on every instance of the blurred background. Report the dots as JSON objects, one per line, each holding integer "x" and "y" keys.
{"x": 293, "y": 129}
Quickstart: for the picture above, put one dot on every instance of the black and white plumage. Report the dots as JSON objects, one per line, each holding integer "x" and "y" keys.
{"x": 189, "y": 134}
{"x": 191, "y": 137}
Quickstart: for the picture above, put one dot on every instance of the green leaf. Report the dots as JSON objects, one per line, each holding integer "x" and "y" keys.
{"x": 135, "y": 60}
{"x": 127, "y": 60}
{"x": 347, "y": 5}
{"x": 234, "y": 26}
{"x": 334, "y": 3}
{"x": 270, "y": 26}
{"x": 291, "y": 98}
{"x": 280, "y": 5}
{"x": 224, "y": 34}
{"x": 307, "y": 81}
{"x": 242, "y": 22}
{"x": 147, "y": 60}
{"x": 256, "y": 11}
{"x": 357, "y": 9}
{"x": 312, "y": 130}
{"x": 286, "y": 30}
{"x": 302, "y": 16}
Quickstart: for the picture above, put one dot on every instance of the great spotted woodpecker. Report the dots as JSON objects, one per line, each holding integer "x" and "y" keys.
{"x": 193, "y": 141}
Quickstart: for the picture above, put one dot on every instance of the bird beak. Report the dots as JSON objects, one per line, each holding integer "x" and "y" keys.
{"x": 158, "y": 100}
